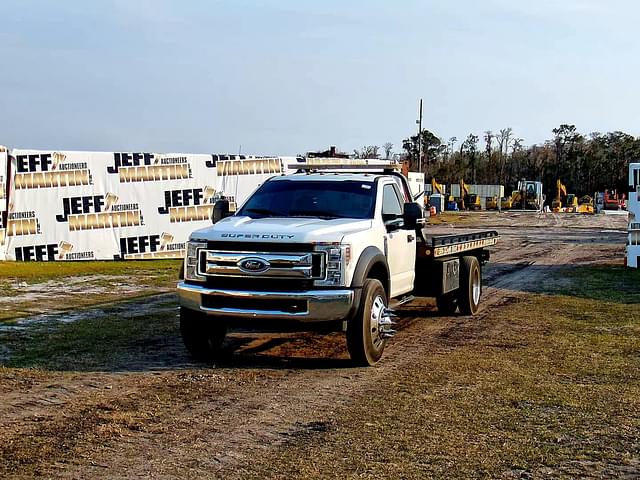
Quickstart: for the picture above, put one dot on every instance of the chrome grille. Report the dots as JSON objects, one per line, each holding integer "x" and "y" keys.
{"x": 275, "y": 265}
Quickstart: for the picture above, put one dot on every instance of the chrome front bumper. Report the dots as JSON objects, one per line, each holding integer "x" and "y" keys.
{"x": 319, "y": 305}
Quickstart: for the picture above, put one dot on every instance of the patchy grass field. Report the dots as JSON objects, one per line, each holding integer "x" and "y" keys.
{"x": 34, "y": 288}
{"x": 544, "y": 382}
{"x": 546, "y": 386}
{"x": 549, "y": 387}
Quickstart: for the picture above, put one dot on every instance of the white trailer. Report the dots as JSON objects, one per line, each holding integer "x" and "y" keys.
{"x": 633, "y": 206}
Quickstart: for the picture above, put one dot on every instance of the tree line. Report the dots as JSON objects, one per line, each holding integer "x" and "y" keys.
{"x": 584, "y": 163}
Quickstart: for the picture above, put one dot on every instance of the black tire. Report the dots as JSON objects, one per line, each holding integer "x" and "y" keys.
{"x": 363, "y": 341}
{"x": 202, "y": 336}
{"x": 447, "y": 303}
{"x": 470, "y": 285}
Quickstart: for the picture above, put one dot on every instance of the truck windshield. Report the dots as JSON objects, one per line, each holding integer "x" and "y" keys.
{"x": 322, "y": 199}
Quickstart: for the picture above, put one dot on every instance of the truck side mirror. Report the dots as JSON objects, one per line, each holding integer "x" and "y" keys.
{"x": 220, "y": 210}
{"x": 412, "y": 213}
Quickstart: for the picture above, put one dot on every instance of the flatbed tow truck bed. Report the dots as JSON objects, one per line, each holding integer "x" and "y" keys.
{"x": 434, "y": 245}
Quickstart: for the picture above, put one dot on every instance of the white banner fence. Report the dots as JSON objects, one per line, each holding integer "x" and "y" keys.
{"x": 65, "y": 205}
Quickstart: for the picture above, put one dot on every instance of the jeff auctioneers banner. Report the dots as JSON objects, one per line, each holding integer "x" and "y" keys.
{"x": 123, "y": 205}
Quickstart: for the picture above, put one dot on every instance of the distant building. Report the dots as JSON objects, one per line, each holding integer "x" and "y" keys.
{"x": 331, "y": 153}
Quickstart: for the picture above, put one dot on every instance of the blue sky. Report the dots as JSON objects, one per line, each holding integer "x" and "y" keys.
{"x": 285, "y": 76}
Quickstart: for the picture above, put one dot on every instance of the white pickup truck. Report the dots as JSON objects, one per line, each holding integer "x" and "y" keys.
{"x": 324, "y": 249}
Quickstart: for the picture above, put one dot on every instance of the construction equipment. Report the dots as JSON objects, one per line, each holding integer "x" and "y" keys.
{"x": 438, "y": 197}
{"x": 449, "y": 201}
{"x": 570, "y": 204}
{"x": 491, "y": 203}
{"x": 585, "y": 205}
{"x": 437, "y": 187}
{"x": 529, "y": 196}
{"x": 561, "y": 190}
{"x": 468, "y": 200}
{"x": 506, "y": 203}
{"x": 614, "y": 201}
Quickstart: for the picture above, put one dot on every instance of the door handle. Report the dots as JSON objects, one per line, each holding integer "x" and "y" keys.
{"x": 410, "y": 238}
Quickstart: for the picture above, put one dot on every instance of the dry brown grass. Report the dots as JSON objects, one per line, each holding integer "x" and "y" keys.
{"x": 452, "y": 218}
{"x": 550, "y": 387}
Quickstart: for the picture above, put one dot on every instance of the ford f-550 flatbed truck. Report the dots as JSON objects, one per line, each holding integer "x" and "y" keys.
{"x": 326, "y": 250}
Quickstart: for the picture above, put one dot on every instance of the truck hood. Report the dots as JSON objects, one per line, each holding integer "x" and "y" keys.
{"x": 297, "y": 230}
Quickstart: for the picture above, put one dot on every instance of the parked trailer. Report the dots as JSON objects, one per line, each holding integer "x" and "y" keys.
{"x": 633, "y": 206}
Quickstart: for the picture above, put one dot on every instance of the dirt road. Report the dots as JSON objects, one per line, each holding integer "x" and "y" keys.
{"x": 155, "y": 414}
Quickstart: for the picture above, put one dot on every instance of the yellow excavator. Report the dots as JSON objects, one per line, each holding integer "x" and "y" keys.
{"x": 441, "y": 189}
{"x": 570, "y": 204}
{"x": 468, "y": 200}
{"x": 556, "y": 204}
{"x": 437, "y": 187}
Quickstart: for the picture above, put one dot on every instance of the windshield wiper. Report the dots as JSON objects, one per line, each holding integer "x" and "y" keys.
{"x": 262, "y": 211}
{"x": 314, "y": 213}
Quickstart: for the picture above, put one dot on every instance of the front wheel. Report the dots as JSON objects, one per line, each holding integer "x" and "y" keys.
{"x": 202, "y": 336}
{"x": 470, "y": 285}
{"x": 365, "y": 331}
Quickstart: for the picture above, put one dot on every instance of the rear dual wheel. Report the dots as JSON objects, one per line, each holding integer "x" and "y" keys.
{"x": 470, "y": 285}
{"x": 467, "y": 297}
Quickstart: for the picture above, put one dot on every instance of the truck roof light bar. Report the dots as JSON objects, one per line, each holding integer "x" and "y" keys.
{"x": 351, "y": 166}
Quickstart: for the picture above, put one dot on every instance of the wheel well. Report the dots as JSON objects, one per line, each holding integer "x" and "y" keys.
{"x": 379, "y": 272}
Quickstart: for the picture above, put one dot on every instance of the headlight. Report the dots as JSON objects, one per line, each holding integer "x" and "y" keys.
{"x": 337, "y": 257}
{"x": 191, "y": 261}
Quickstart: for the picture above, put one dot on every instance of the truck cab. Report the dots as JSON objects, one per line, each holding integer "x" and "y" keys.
{"x": 321, "y": 249}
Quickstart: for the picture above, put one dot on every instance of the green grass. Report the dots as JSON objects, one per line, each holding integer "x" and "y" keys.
{"x": 118, "y": 338}
{"x": 610, "y": 283}
{"x": 42, "y": 271}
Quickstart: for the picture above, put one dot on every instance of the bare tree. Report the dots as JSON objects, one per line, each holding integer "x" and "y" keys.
{"x": 387, "y": 147}
{"x": 504, "y": 138}
{"x": 370, "y": 151}
{"x": 488, "y": 139}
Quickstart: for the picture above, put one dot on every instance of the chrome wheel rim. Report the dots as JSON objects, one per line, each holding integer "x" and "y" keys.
{"x": 377, "y": 311}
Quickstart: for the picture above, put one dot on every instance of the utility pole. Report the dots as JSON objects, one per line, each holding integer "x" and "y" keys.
{"x": 419, "y": 122}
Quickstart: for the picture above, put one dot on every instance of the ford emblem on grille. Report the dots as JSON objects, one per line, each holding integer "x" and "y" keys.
{"x": 253, "y": 265}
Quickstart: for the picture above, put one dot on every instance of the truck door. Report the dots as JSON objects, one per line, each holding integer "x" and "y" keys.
{"x": 400, "y": 244}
